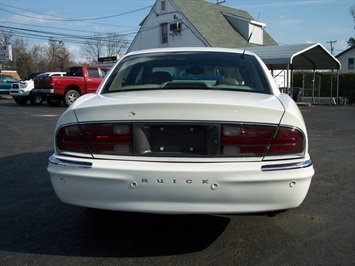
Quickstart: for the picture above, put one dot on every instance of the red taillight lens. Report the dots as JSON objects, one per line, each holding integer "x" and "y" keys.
{"x": 287, "y": 141}
{"x": 245, "y": 140}
{"x": 236, "y": 140}
{"x": 49, "y": 81}
{"x": 250, "y": 140}
{"x": 107, "y": 138}
{"x": 70, "y": 138}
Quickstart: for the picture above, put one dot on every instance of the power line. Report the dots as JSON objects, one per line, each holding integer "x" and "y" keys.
{"x": 66, "y": 38}
{"x": 62, "y": 19}
{"x": 45, "y": 35}
{"x": 22, "y": 26}
{"x": 23, "y": 32}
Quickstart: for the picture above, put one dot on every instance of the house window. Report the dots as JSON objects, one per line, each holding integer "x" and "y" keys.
{"x": 162, "y": 5}
{"x": 350, "y": 63}
{"x": 164, "y": 32}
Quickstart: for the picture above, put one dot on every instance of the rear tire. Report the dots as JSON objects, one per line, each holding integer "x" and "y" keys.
{"x": 36, "y": 98}
{"x": 54, "y": 101}
{"x": 70, "y": 97}
{"x": 21, "y": 100}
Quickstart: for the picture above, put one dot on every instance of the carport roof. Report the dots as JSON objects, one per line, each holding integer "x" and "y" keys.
{"x": 296, "y": 56}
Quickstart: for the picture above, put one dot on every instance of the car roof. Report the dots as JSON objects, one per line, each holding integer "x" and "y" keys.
{"x": 51, "y": 73}
{"x": 192, "y": 49}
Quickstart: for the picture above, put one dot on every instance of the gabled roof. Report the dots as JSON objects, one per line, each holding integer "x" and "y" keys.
{"x": 297, "y": 56}
{"x": 210, "y": 21}
{"x": 345, "y": 51}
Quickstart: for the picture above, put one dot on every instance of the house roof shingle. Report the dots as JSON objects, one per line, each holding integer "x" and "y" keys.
{"x": 209, "y": 21}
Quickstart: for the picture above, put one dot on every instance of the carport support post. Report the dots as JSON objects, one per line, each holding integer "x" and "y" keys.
{"x": 288, "y": 87}
{"x": 291, "y": 84}
{"x": 314, "y": 77}
{"x": 319, "y": 87}
{"x": 331, "y": 90}
{"x": 337, "y": 101}
{"x": 302, "y": 85}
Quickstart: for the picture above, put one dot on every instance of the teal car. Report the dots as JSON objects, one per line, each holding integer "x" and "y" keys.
{"x": 6, "y": 83}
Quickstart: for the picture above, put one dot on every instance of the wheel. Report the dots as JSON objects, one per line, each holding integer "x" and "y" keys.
{"x": 21, "y": 100}
{"x": 70, "y": 97}
{"x": 54, "y": 101}
{"x": 36, "y": 98}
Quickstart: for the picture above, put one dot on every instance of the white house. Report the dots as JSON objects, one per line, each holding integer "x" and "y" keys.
{"x": 347, "y": 60}
{"x": 176, "y": 23}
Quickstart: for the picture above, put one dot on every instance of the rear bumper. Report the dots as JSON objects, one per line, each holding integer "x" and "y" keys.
{"x": 44, "y": 91}
{"x": 158, "y": 187}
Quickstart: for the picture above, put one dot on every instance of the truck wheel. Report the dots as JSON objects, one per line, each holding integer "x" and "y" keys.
{"x": 36, "y": 98}
{"x": 21, "y": 100}
{"x": 70, "y": 97}
{"x": 54, "y": 101}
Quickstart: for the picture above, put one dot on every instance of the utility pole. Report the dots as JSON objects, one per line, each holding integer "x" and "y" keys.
{"x": 331, "y": 46}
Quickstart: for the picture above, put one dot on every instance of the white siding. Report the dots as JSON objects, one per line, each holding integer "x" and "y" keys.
{"x": 257, "y": 34}
{"x": 344, "y": 60}
{"x": 149, "y": 36}
{"x": 247, "y": 28}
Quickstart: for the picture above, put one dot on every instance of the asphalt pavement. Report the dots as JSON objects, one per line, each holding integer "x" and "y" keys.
{"x": 37, "y": 229}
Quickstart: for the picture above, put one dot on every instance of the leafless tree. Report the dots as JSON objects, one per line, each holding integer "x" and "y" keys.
{"x": 52, "y": 56}
{"x": 93, "y": 48}
{"x": 22, "y": 58}
{"x": 103, "y": 45}
{"x": 5, "y": 37}
{"x": 58, "y": 57}
{"x": 116, "y": 44}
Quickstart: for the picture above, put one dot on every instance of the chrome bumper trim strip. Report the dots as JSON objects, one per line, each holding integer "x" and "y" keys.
{"x": 264, "y": 168}
{"x": 57, "y": 161}
{"x": 288, "y": 166}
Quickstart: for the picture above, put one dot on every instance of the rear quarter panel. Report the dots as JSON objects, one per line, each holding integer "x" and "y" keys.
{"x": 60, "y": 84}
{"x": 292, "y": 115}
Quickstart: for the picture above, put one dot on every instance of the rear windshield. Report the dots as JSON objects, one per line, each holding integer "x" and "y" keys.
{"x": 188, "y": 70}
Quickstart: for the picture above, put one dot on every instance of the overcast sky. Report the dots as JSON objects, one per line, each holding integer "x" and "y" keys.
{"x": 287, "y": 21}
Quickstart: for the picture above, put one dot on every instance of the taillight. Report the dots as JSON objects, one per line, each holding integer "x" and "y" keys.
{"x": 239, "y": 140}
{"x": 236, "y": 140}
{"x": 245, "y": 140}
{"x": 70, "y": 138}
{"x": 115, "y": 139}
{"x": 50, "y": 81}
{"x": 287, "y": 141}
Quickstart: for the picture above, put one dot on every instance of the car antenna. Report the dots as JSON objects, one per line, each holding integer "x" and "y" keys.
{"x": 248, "y": 41}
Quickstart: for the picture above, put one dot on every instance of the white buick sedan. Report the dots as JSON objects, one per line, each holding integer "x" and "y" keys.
{"x": 185, "y": 130}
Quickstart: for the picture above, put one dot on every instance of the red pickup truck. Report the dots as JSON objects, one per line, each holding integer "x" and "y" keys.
{"x": 78, "y": 80}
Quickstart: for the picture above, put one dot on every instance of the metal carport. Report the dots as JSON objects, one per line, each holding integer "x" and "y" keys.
{"x": 298, "y": 56}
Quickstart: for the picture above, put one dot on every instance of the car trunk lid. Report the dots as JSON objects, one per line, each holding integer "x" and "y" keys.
{"x": 181, "y": 105}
